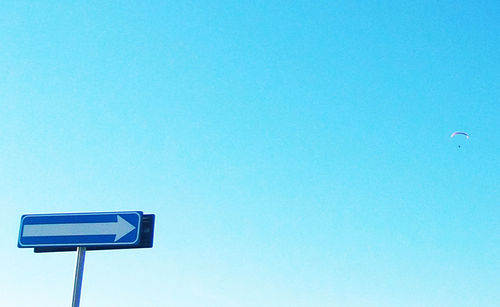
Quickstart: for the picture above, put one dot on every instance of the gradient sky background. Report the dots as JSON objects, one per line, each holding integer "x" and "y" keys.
{"x": 295, "y": 154}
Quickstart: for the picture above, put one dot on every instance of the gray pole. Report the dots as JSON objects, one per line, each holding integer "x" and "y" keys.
{"x": 77, "y": 289}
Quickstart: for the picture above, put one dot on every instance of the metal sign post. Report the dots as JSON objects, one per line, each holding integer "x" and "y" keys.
{"x": 77, "y": 289}
{"x": 59, "y": 232}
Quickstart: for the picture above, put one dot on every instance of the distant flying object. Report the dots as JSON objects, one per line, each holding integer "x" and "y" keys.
{"x": 459, "y": 132}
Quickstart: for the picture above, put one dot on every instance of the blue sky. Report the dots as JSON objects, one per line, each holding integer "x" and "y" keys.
{"x": 295, "y": 154}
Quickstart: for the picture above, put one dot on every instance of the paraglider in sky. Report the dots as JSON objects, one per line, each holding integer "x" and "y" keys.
{"x": 459, "y": 133}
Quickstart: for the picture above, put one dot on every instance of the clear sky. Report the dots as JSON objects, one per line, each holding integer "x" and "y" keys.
{"x": 294, "y": 153}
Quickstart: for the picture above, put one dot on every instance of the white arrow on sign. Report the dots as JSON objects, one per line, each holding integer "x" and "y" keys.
{"x": 119, "y": 228}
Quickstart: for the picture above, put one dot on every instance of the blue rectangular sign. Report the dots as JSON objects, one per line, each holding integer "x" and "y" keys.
{"x": 105, "y": 229}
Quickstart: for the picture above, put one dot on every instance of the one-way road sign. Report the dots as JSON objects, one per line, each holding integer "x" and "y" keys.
{"x": 106, "y": 229}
